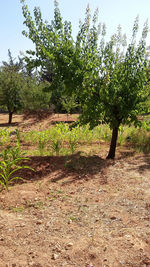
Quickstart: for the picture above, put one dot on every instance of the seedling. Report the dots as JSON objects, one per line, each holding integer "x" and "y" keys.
{"x": 56, "y": 146}
{"x": 7, "y": 170}
{"x": 10, "y": 165}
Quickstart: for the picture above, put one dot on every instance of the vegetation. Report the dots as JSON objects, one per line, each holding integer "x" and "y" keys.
{"x": 11, "y": 81}
{"x": 76, "y": 202}
{"x": 108, "y": 82}
{"x": 109, "y": 78}
{"x": 61, "y": 140}
{"x": 32, "y": 96}
{"x": 9, "y": 165}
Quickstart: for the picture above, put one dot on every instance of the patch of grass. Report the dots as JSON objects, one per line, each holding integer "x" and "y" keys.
{"x": 17, "y": 209}
{"x": 35, "y": 204}
{"x": 73, "y": 218}
{"x": 54, "y": 194}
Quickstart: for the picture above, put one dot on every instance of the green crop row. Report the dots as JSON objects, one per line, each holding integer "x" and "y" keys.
{"x": 62, "y": 139}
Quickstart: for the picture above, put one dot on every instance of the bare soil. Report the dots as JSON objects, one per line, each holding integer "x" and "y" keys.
{"x": 77, "y": 211}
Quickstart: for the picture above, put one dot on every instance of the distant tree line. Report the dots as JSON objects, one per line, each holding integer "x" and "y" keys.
{"x": 24, "y": 88}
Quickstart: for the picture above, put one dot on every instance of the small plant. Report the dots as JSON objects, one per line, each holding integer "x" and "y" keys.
{"x": 31, "y": 137}
{"x": 73, "y": 218}
{"x": 42, "y": 142}
{"x": 72, "y": 142}
{"x": 16, "y": 152}
{"x": 5, "y": 136}
{"x": 9, "y": 166}
{"x": 56, "y": 146}
{"x": 6, "y": 172}
{"x": 72, "y": 145}
{"x": 69, "y": 103}
{"x": 12, "y": 153}
{"x": 18, "y": 136}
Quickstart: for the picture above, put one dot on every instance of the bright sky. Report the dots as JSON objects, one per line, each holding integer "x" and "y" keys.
{"x": 112, "y": 12}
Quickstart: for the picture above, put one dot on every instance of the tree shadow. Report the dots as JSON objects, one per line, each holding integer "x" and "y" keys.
{"x": 62, "y": 121}
{"x": 67, "y": 169}
{"x": 146, "y": 165}
{"x": 140, "y": 163}
{"x": 126, "y": 154}
{"x": 9, "y": 125}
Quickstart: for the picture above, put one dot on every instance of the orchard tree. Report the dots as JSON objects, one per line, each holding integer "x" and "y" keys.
{"x": 52, "y": 42}
{"x": 69, "y": 61}
{"x": 11, "y": 82}
{"x": 121, "y": 85}
{"x": 109, "y": 78}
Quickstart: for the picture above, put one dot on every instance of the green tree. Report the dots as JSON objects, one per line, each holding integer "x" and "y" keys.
{"x": 55, "y": 51}
{"x": 32, "y": 96}
{"x": 108, "y": 77}
{"x": 120, "y": 88}
{"x": 11, "y": 81}
{"x": 69, "y": 103}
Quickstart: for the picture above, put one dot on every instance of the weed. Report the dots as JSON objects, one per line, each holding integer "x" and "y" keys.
{"x": 36, "y": 204}
{"x": 86, "y": 199}
{"x": 17, "y": 209}
{"x": 55, "y": 194}
{"x": 73, "y": 218}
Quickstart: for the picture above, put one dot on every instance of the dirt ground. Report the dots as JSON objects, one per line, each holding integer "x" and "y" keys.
{"x": 77, "y": 211}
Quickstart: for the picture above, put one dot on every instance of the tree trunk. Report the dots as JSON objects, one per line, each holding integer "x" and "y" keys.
{"x": 112, "y": 150}
{"x": 10, "y": 117}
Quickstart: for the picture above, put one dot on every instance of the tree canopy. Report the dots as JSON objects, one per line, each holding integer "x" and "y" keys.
{"x": 109, "y": 78}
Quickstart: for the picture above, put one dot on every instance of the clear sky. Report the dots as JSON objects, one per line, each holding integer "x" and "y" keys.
{"x": 112, "y": 12}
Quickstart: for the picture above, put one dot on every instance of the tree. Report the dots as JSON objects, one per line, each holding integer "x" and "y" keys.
{"x": 69, "y": 103}
{"x": 121, "y": 86}
{"x": 32, "y": 96}
{"x": 109, "y": 78}
{"x": 55, "y": 51}
{"x": 11, "y": 82}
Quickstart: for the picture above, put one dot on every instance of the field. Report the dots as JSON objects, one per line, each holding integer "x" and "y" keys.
{"x": 76, "y": 208}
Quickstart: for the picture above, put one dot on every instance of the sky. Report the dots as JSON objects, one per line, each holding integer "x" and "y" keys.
{"x": 112, "y": 12}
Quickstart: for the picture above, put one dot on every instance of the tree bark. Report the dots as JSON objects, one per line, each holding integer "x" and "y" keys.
{"x": 10, "y": 117}
{"x": 112, "y": 150}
